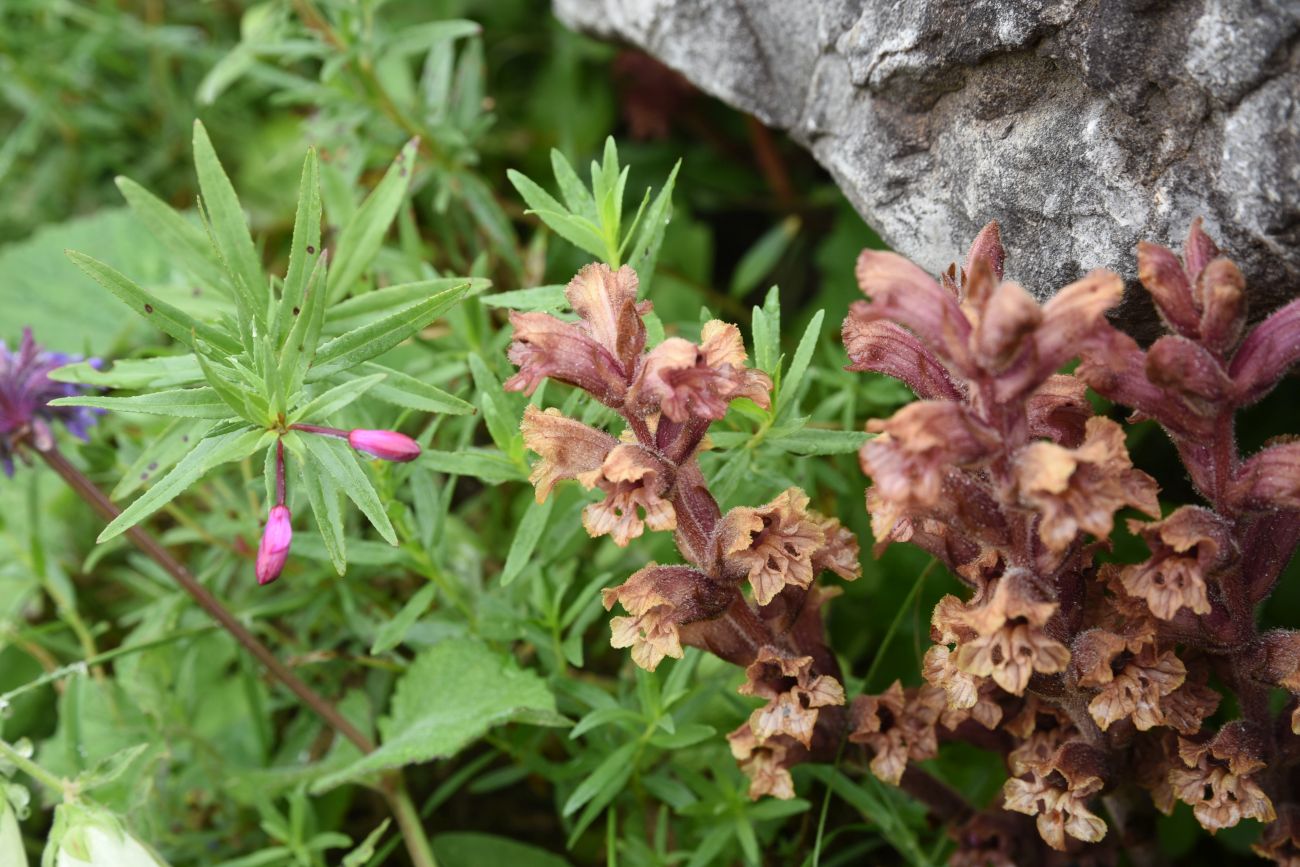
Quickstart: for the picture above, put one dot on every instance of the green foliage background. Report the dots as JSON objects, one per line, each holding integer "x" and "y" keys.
{"x": 476, "y": 646}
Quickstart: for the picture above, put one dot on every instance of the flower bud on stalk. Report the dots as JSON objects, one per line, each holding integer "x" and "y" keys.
{"x": 386, "y": 445}
{"x": 87, "y": 836}
{"x": 274, "y": 549}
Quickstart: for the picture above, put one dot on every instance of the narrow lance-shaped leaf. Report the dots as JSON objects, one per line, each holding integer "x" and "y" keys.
{"x": 160, "y": 455}
{"x": 305, "y": 246}
{"x": 579, "y": 231}
{"x": 179, "y": 403}
{"x": 300, "y": 346}
{"x": 180, "y": 236}
{"x": 528, "y": 534}
{"x": 400, "y": 389}
{"x": 650, "y": 236}
{"x": 363, "y": 235}
{"x": 164, "y": 316}
{"x": 243, "y": 402}
{"x": 337, "y": 461}
{"x": 328, "y": 402}
{"x": 799, "y": 364}
{"x": 577, "y": 197}
{"x": 325, "y": 499}
{"x": 390, "y": 298}
{"x": 378, "y": 337}
{"x": 209, "y": 453}
{"x": 229, "y": 228}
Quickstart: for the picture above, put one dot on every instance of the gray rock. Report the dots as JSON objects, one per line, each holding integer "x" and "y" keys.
{"x": 1083, "y": 126}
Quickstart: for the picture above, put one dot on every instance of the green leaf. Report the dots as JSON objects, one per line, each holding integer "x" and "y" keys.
{"x": 527, "y": 535}
{"x": 799, "y": 364}
{"x": 449, "y": 697}
{"x": 400, "y": 389}
{"x": 161, "y": 454}
{"x": 302, "y": 344}
{"x": 305, "y": 246}
{"x": 134, "y": 373}
{"x": 489, "y": 465}
{"x": 229, "y": 227}
{"x": 645, "y": 253}
{"x": 577, "y": 198}
{"x": 763, "y": 256}
{"x": 395, "y": 297}
{"x": 502, "y": 420}
{"x": 378, "y": 337}
{"x": 365, "y": 853}
{"x": 579, "y": 231}
{"x": 325, "y": 503}
{"x": 170, "y": 320}
{"x": 361, "y": 238}
{"x": 183, "y": 239}
{"x": 328, "y": 402}
{"x": 548, "y": 298}
{"x": 209, "y": 453}
{"x": 472, "y": 849}
{"x": 818, "y": 441}
{"x": 766, "y": 326}
{"x": 392, "y": 632}
{"x": 338, "y": 461}
{"x": 604, "y": 782}
{"x": 180, "y": 403}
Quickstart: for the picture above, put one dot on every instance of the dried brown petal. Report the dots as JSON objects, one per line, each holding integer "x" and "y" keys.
{"x": 635, "y": 483}
{"x": 1187, "y": 547}
{"x": 1079, "y": 490}
{"x": 1074, "y": 313}
{"x": 1010, "y": 315}
{"x": 1059, "y": 812}
{"x": 772, "y": 545}
{"x": 660, "y": 599}
{"x": 568, "y": 448}
{"x": 839, "y": 552}
{"x": 684, "y": 380}
{"x": 606, "y": 301}
{"x": 1059, "y": 410}
{"x": 896, "y": 727}
{"x": 1137, "y": 689}
{"x": 544, "y": 346}
{"x": 901, "y": 292}
{"x": 763, "y": 763}
{"x": 794, "y": 695}
{"x": 886, "y": 347}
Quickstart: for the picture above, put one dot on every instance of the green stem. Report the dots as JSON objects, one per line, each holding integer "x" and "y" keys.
{"x": 31, "y": 769}
{"x": 410, "y": 823}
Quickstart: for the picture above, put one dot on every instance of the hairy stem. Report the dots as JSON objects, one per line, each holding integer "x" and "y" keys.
{"x": 31, "y": 769}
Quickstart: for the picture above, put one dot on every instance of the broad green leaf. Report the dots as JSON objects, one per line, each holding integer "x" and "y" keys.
{"x": 180, "y": 403}
{"x": 134, "y": 373}
{"x": 182, "y": 238}
{"x": 400, "y": 389}
{"x": 799, "y": 364}
{"x": 392, "y": 632}
{"x": 472, "y": 849}
{"x": 488, "y": 465}
{"x": 449, "y": 697}
{"x": 229, "y": 227}
{"x": 330, "y": 401}
{"x": 547, "y": 298}
{"x": 361, "y": 238}
{"x": 527, "y": 535}
{"x": 164, "y": 316}
{"x": 208, "y": 453}
{"x": 376, "y": 338}
{"x": 167, "y": 448}
{"x": 305, "y": 246}
{"x": 339, "y": 462}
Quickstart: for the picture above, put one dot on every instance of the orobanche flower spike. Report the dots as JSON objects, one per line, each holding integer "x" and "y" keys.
{"x": 1092, "y": 679}
{"x": 649, "y": 479}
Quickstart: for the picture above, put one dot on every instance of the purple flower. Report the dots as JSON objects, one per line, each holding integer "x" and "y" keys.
{"x": 25, "y": 391}
{"x": 274, "y": 549}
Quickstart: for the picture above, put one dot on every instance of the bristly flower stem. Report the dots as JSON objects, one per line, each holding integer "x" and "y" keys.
{"x": 394, "y": 787}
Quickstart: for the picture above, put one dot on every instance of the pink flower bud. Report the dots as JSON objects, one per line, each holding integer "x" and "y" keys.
{"x": 388, "y": 445}
{"x": 274, "y": 549}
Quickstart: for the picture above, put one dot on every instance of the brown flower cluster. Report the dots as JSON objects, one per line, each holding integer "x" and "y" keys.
{"x": 1092, "y": 679}
{"x": 648, "y": 477}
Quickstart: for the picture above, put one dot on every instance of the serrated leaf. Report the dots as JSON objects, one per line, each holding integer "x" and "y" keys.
{"x": 799, "y": 364}
{"x": 207, "y": 454}
{"x": 361, "y": 238}
{"x": 527, "y": 535}
{"x": 201, "y": 402}
{"x": 449, "y": 697}
{"x": 376, "y": 338}
{"x": 168, "y": 319}
{"x": 393, "y": 631}
{"x": 339, "y": 462}
{"x": 229, "y": 227}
